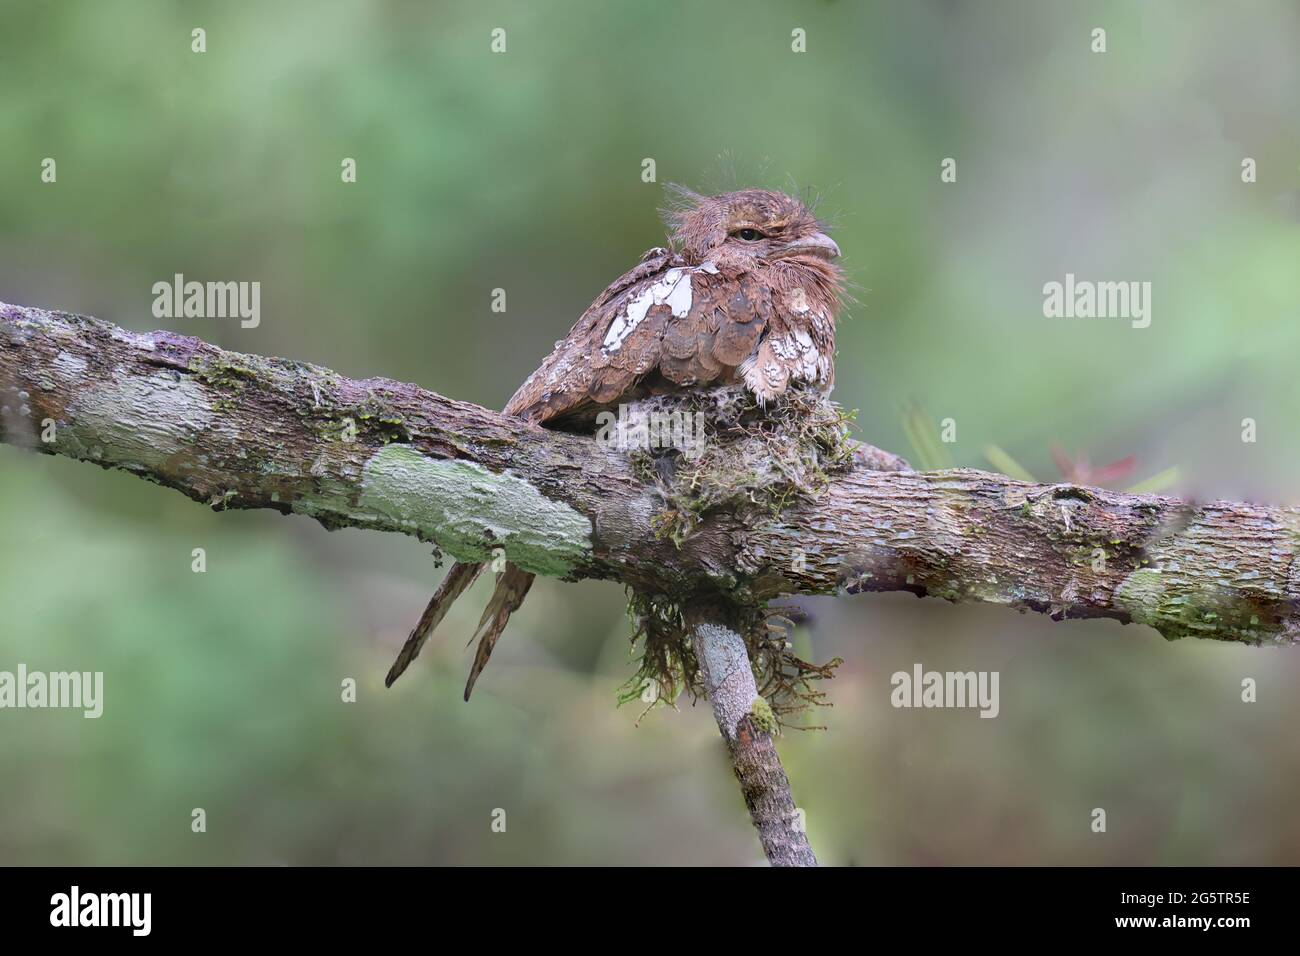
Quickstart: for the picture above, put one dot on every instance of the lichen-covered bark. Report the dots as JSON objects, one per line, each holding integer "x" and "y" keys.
{"x": 747, "y": 723}
{"x": 1217, "y": 569}
{"x": 242, "y": 431}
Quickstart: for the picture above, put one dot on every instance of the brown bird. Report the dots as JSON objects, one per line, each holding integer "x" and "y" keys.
{"x": 747, "y": 292}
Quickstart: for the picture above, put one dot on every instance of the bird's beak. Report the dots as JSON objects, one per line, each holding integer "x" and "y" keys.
{"x": 818, "y": 244}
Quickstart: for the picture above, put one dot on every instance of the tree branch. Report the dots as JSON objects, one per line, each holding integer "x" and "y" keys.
{"x": 747, "y": 725}
{"x": 242, "y": 431}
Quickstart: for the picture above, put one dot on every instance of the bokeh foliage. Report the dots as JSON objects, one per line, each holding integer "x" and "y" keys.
{"x": 522, "y": 171}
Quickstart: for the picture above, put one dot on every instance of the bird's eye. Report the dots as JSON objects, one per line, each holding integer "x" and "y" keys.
{"x": 749, "y": 235}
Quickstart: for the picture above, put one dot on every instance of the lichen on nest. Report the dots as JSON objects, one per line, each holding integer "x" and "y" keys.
{"x": 748, "y": 460}
{"x": 741, "y": 456}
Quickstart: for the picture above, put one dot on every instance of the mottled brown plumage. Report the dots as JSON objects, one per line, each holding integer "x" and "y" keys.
{"x": 747, "y": 292}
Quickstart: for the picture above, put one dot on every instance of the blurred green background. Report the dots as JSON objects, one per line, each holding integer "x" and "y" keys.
{"x": 523, "y": 171}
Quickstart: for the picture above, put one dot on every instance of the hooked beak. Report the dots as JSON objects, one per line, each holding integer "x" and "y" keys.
{"x": 818, "y": 244}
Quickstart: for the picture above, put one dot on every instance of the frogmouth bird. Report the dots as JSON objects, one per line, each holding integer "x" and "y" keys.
{"x": 746, "y": 292}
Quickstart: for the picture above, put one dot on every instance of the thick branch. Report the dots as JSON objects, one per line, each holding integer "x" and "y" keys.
{"x": 240, "y": 431}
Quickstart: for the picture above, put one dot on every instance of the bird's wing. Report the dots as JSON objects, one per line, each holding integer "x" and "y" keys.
{"x": 729, "y": 311}
{"x": 694, "y": 324}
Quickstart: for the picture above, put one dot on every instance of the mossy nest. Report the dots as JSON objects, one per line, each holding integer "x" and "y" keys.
{"x": 737, "y": 456}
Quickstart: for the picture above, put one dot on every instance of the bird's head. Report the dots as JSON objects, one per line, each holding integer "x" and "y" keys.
{"x": 749, "y": 229}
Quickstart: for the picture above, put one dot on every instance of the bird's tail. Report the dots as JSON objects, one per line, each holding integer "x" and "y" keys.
{"x": 511, "y": 588}
{"x": 460, "y": 577}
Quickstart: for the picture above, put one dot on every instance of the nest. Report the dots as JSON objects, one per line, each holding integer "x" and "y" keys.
{"x": 739, "y": 455}
{"x": 748, "y": 459}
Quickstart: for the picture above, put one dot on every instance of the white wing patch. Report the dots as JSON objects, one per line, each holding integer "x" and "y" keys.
{"x": 674, "y": 288}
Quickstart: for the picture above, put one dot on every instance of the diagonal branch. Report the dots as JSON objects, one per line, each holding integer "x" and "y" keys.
{"x": 747, "y": 724}
{"x": 242, "y": 431}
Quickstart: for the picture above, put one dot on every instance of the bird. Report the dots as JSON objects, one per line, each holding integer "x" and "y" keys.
{"x": 746, "y": 292}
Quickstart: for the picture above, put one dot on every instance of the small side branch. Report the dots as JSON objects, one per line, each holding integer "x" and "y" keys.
{"x": 747, "y": 723}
